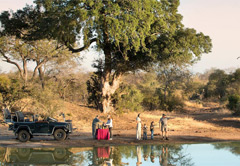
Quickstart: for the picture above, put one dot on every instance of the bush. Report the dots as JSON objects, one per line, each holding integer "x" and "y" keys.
{"x": 128, "y": 98}
{"x": 169, "y": 102}
{"x": 174, "y": 103}
{"x": 234, "y": 104}
{"x": 10, "y": 91}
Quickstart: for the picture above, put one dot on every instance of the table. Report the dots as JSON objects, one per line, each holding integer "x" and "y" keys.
{"x": 102, "y": 134}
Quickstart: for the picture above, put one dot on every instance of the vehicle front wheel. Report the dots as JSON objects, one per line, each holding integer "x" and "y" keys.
{"x": 23, "y": 136}
{"x": 60, "y": 134}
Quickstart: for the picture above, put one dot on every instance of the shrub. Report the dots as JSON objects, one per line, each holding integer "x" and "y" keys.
{"x": 128, "y": 98}
{"x": 10, "y": 91}
{"x": 234, "y": 104}
{"x": 174, "y": 103}
{"x": 169, "y": 102}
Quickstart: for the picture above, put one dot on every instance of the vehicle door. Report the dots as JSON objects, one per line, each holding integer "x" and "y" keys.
{"x": 41, "y": 127}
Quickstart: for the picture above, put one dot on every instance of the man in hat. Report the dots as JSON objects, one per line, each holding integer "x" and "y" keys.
{"x": 94, "y": 126}
{"x": 163, "y": 123}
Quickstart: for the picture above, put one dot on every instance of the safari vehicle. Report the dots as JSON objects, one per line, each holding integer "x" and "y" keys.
{"x": 25, "y": 129}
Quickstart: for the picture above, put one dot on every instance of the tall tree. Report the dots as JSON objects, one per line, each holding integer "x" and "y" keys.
{"x": 171, "y": 77}
{"x": 16, "y": 52}
{"x": 19, "y": 52}
{"x": 45, "y": 52}
{"x": 130, "y": 33}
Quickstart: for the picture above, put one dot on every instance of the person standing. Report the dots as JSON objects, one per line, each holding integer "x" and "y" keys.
{"x": 152, "y": 129}
{"x": 110, "y": 126}
{"x": 138, "y": 127}
{"x": 163, "y": 121}
{"x": 94, "y": 126}
{"x": 144, "y": 132}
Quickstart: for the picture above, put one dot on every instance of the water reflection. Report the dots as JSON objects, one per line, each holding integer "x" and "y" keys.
{"x": 234, "y": 147}
{"x": 139, "y": 155}
{"x": 146, "y": 155}
{"x": 101, "y": 156}
{"x": 26, "y": 156}
{"x": 163, "y": 158}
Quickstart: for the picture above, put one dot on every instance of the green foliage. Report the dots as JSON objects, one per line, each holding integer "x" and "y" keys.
{"x": 234, "y": 104}
{"x": 221, "y": 85}
{"x": 44, "y": 53}
{"x": 234, "y": 82}
{"x": 148, "y": 87}
{"x": 10, "y": 90}
{"x": 128, "y": 98}
{"x": 174, "y": 103}
{"x": 131, "y": 34}
{"x": 194, "y": 90}
{"x": 172, "y": 78}
{"x": 169, "y": 102}
{"x": 217, "y": 84}
{"x": 94, "y": 86}
{"x": 225, "y": 87}
{"x": 134, "y": 33}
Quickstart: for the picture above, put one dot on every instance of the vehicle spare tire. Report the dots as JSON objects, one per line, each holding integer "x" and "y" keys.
{"x": 60, "y": 134}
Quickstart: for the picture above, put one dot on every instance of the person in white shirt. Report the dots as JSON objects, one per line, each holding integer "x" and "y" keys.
{"x": 138, "y": 127}
{"x": 110, "y": 126}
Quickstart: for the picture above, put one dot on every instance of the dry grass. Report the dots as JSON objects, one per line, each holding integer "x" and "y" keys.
{"x": 237, "y": 119}
{"x": 188, "y": 123}
{"x": 193, "y": 104}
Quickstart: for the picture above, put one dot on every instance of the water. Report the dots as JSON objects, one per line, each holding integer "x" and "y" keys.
{"x": 219, "y": 154}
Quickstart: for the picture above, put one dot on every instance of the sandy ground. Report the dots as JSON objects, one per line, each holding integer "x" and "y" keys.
{"x": 196, "y": 124}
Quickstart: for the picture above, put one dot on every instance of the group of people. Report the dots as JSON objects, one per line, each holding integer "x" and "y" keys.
{"x": 162, "y": 125}
{"x": 108, "y": 124}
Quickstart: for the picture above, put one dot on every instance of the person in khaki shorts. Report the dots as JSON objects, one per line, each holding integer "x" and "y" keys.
{"x": 163, "y": 125}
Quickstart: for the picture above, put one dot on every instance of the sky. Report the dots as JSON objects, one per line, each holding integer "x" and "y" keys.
{"x": 215, "y": 18}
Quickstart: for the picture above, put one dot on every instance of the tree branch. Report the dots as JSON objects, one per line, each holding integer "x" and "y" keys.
{"x": 37, "y": 67}
{"x": 8, "y": 60}
{"x": 82, "y": 48}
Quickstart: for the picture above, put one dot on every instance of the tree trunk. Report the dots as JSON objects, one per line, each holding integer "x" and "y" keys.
{"x": 25, "y": 72}
{"x": 38, "y": 68}
{"x": 108, "y": 89}
{"x": 109, "y": 83}
{"x": 41, "y": 77}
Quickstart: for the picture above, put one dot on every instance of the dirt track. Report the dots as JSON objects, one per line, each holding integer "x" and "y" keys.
{"x": 195, "y": 125}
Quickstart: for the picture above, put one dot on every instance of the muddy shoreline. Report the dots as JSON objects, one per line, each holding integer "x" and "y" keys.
{"x": 206, "y": 124}
{"x": 85, "y": 140}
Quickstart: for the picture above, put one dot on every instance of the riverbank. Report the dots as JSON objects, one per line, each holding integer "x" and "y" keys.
{"x": 196, "y": 124}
